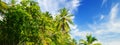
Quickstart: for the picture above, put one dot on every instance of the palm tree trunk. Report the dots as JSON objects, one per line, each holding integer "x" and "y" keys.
{"x": 63, "y": 26}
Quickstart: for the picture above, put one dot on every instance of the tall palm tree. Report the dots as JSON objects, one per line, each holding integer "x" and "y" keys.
{"x": 63, "y": 20}
{"x": 90, "y": 40}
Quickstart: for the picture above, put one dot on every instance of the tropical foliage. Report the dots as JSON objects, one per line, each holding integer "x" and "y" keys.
{"x": 24, "y": 23}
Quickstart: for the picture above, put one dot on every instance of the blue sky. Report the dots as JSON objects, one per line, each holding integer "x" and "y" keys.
{"x": 101, "y": 18}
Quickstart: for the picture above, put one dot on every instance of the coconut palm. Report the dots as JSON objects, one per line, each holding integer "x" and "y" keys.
{"x": 64, "y": 19}
{"x": 61, "y": 22}
{"x": 90, "y": 40}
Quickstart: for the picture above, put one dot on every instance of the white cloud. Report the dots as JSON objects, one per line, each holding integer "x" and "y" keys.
{"x": 114, "y": 12}
{"x": 103, "y": 2}
{"x": 54, "y": 5}
{"x": 75, "y": 32}
{"x": 112, "y": 42}
{"x": 102, "y": 17}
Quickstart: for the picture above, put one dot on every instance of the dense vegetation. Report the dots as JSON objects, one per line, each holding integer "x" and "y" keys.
{"x": 25, "y": 24}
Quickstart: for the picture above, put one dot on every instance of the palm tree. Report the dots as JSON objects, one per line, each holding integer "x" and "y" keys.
{"x": 90, "y": 40}
{"x": 12, "y": 2}
{"x": 63, "y": 20}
